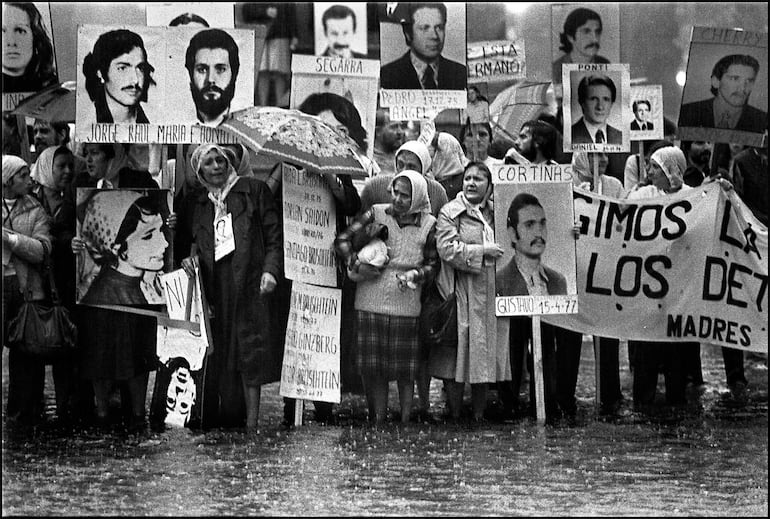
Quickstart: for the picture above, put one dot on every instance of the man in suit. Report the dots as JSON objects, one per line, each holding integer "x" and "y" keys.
{"x": 641, "y": 109}
{"x": 525, "y": 275}
{"x": 732, "y": 81}
{"x": 423, "y": 67}
{"x": 580, "y": 40}
{"x": 339, "y": 22}
{"x": 596, "y": 96}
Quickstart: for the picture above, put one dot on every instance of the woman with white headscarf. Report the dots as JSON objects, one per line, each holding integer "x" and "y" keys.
{"x": 665, "y": 174}
{"x": 238, "y": 234}
{"x": 26, "y": 235}
{"x": 448, "y": 164}
{"x": 388, "y": 299}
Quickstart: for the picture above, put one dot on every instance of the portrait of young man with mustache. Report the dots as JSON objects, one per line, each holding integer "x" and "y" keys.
{"x": 732, "y": 81}
{"x": 118, "y": 76}
{"x": 580, "y": 40}
{"x": 212, "y": 62}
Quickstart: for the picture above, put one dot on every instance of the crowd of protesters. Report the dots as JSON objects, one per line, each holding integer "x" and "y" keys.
{"x": 436, "y": 202}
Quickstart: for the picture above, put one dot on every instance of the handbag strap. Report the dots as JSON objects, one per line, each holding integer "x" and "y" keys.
{"x": 51, "y": 282}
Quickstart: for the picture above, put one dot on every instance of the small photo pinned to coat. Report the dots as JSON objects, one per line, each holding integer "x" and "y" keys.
{"x": 127, "y": 245}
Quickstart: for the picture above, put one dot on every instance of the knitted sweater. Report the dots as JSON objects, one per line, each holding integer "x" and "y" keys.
{"x": 382, "y": 294}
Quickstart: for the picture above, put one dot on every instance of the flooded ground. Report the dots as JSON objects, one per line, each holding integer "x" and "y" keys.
{"x": 710, "y": 459}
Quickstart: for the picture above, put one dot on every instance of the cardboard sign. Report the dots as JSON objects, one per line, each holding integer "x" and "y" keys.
{"x": 646, "y": 112}
{"x": 498, "y": 60}
{"x": 311, "y": 355}
{"x": 542, "y": 198}
{"x": 309, "y": 227}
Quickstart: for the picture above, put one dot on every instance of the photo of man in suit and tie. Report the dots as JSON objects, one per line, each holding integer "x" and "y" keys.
{"x": 423, "y": 67}
{"x": 642, "y": 109}
{"x": 596, "y": 96}
{"x": 732, "y": 81}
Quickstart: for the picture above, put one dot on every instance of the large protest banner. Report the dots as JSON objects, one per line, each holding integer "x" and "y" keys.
{"x": 689, "y": 267}
{"x": 311, "y": 355}
{"x": 309, "y": 226}
{"x": 162, "y": 90}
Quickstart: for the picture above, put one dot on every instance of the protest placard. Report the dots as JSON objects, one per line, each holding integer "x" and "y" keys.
{"x": 355, "y": 80}
{"x": 496, "y": 60}
{"x": 533, "y": 221}
{"x": 340, "y": 30}
{"x": 596, "y": 106}
{"x": 309, "y": 227}
{"x": 136, "y": 99}
{"x": 413, "y": 105}
{"x": 122, "y": 263}
{"x": 444, "y": 42}
{"x": 29, "y": 57}
{"x": 646, "y": 112}
{"x": 311, "y": 356}
{"x": 690, "y": 267}
{"x": 725, "y": 96}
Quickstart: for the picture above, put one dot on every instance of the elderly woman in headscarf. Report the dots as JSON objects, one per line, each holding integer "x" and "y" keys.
{"x": 26, "y": 235}
{"x": 388, "y": 299}
{"x": 238, "y": 234}
{"x": 448, "y": 163}
{"x": 665, "y": 174}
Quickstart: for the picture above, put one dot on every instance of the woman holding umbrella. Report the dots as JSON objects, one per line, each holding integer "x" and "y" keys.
{"x": 237, "y": 230}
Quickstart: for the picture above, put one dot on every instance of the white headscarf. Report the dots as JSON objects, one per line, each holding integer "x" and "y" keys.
{"x": 11, "y": 165}
{"x": 42, "y": 171}
{"x": 671, "y": 160}
{"x": 449, "y": 159}
{"x": 216, "y": 195}
{"x": 420, "y": 200}
{"x": 418, "y": 149}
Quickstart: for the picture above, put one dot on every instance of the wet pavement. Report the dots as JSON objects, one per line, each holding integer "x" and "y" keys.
{"x": 708, "y": 459}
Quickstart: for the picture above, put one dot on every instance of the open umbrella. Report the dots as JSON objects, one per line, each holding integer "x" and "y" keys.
{"x": 515, "y": 105}
{"x": 295, "y": 137}
{"x": 55, "y": 104}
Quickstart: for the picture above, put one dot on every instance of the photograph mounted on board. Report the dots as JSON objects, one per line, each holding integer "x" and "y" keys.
{"x": 584, "y": 33}
{"x": 647, "y": 112}
{"x": 416, "y": 53}
{"x": 194, "y": 14}
{"x": 29, "y": 60}
{"x": 533, "y": 221}
{"x": 340, "y": 30}
{"x": 596, "y": 107}
{"x": 128, "y": 87}
{"x": 725, "y": 95}
{"x": 348, "y": 88}
{"x": 127, "y": 245}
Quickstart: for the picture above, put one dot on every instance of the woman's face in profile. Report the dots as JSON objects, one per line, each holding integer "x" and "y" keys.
{"x": 146, "y": 246}
{"x": 96, "y": 161}
{"x": 17, "y": 41}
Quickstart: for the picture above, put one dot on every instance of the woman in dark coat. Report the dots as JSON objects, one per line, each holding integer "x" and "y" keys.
{"x": 237, "y": 285}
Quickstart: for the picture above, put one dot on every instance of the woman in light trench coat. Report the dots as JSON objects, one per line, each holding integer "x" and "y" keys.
{"x": 465, "y": 243}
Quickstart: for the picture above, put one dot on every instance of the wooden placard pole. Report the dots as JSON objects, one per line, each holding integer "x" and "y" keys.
{"x": 537, "y": 365}
{"x": 642, "y": 173}
{"x": 21, "y": 128}
{"x": 597, "y": 188}
{"x": 299, "y": 408}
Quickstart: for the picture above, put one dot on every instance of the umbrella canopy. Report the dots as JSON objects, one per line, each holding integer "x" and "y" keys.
{"x": 55, "y": 104}
{"x": 295, "y": 137}
{"x": 517, "y": 104}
